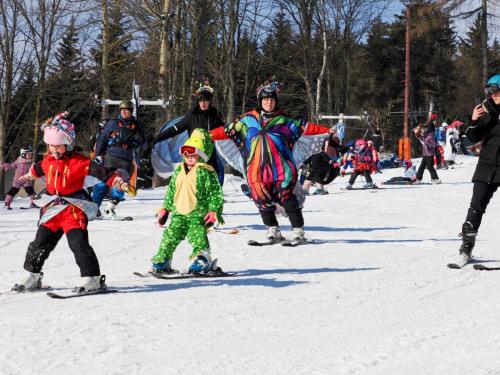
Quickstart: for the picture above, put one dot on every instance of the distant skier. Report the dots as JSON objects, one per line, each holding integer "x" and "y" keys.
{"x": 425, "y": 133}
{"x": 194, "y": 197}
{"x": 484, "y": 126}
{"x": 348, "y": 160}
{"x": 363, "y": 158}
{"x": 70, "y": 209}
{"x": 265, "y": 137}
{"x": 21, "y": 166}
{"x": 452, "y": 147}
{"x": 409, "y": 175}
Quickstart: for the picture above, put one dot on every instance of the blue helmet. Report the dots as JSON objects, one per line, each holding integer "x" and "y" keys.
{"x": 492, "y": 85}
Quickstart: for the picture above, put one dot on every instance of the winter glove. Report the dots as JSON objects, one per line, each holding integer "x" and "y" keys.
{"x": 434, "y": 116}
{"x": 210, "y": 219}
{"x": 162, "y": 217}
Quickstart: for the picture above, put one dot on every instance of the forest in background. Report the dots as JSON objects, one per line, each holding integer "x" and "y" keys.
{"x": 332, "y": 56}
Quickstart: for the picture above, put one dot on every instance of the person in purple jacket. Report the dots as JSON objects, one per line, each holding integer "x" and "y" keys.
{"x": 427, "y": 137}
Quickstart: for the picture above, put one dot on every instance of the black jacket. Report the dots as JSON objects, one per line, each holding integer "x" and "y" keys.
{"x": 487, "y": 129}
{"x": 120, "y": 137}
{"x": 194, "y": 119}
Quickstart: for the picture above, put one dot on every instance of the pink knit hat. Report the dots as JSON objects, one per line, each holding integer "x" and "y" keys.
{"x": 59, "y": 131}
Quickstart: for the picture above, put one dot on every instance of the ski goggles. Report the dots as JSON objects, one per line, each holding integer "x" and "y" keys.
{"x": 188, "y": 151}
{"x": 491, "y": 88}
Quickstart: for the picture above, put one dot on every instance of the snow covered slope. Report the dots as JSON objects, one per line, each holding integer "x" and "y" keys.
{"x": 376, "y": 298}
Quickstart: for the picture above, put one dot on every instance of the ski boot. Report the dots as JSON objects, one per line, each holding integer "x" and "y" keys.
{"x": 299, "y": 235}
{"x": 320, "y": 191}
{"x": 436, "y": 181}
{"x": 164, "y": 268}
{"x": 370, "y": 185}
{"x": 202, "y": 264}
{"x": 468, "y": 241}
{"x": 417, "y": 182}
{"x": 91, "y": 284}
{"x": 274, "y": 234}
{"x": 32, "y": 282}
{"x": 8, "y": 201}
{"x": 348, "y": 187}
{"x": 109, "y": 210}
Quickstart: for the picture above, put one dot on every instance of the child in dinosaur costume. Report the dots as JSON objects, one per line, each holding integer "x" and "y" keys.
{"x": 194, "y": 197}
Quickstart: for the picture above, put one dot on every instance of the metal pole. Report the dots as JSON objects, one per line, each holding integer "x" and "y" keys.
{"x": 407, "y": 74}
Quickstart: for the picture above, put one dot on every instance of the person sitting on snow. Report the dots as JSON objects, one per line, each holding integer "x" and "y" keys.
{"x": 409, "y": 175}
{"x": 194, "y": 197}
{"x": 324, "y": 167}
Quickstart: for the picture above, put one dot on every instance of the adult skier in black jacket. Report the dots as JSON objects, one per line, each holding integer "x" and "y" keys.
{"x": 203, "y": 115}
{"x": 484, "y": 126}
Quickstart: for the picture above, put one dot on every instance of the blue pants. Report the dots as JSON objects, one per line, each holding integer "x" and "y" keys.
{"x": 101, "y": 189}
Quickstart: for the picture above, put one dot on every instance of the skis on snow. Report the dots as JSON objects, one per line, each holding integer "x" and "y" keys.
{"x": 286, "y": 243}
{"x": 74, "y": 294}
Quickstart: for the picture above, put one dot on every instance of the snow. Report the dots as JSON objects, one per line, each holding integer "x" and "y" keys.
{"x": 377, "y": 298}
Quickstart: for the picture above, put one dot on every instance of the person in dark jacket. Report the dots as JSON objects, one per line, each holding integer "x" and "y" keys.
{"x": 324, "y": 167}
{"x": 115, "y": 149}
{"x": 202, "y": 116}
{"x": 427, "y": 137}
{"x": 484, "y": 126}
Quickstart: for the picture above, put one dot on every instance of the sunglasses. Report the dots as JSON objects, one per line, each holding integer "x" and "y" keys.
{"x": 491, "y": 88}
{"x": 188, "y": 151}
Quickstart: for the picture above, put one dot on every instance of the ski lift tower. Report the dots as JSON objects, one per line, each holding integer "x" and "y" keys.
{"x": 340, "y": 126}
{"x": 137, "y": 101}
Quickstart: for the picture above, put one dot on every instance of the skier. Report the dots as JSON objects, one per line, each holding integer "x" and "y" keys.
{"x": 202, "y": 116}
{"x": 348, "y": 160}
{"x": 484, "y": 126}
{"x": 425, "y": 133}
{"x": 363, "y": 158}
{"x": 452, "y": 147}
{"x": 68, "y": 213}
{"x": 115, "y": 149}
{"x": 409, "y": 175}
{"x": 194, "y": 197}
{"x": 21, "y": 166}
{"x": 375, "y": 166}
{"x": 324, "y": 167}
{"x": 265, "y": 137}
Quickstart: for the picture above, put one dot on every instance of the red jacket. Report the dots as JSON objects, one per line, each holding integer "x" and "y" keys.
{"x": 66, "y": 176}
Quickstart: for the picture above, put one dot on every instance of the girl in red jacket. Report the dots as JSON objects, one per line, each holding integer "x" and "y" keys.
{"x": 70, "y": 209}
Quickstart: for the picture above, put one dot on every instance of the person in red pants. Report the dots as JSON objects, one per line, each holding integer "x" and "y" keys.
{"x": 70, "y": 209}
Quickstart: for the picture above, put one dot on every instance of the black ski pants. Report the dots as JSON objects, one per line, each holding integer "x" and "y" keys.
{"x": 14, "y": 190}
{"x": 481, "y": 196}
{"x": 292, "y": 209}
{"x": 365, "y": 173}
{"x": 78, "y": 241}
{"x": 427, "y": 162}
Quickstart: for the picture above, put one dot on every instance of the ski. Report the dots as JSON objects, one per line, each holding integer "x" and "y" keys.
{"x": 464, "y": 260}
{"x": 15, "y": 290}
{"x": 187, "y": 275}
{"x": 124, "y": 218}
{"x": 302, "y": 242}
{"x": 224, "y": 231}
{"x": 482, "y": 267}
{"x": 150, "y": 274}
{"x": 29, "y": 208}
{"x": 80, "y": 294}
{"x": 265, "y": 243}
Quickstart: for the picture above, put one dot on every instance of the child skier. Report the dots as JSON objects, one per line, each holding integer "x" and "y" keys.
{"x": 68, "y": 213}
{"x": 425, "y": 133}
{"x": 324, "y": 168}
{"x": 21, "y": 165}
{"x": 348, "y": 160}
{"x": 364, "y": 159}
{"x": 194, "y": 197}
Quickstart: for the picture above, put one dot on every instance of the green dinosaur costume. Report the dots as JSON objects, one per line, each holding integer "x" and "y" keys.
{"x": 191, "y": 194}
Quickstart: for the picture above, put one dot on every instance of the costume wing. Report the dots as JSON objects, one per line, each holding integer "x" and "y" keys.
{"x": 231, "y": 155}
{"x": 165, "y": 154}
{"x": 306, "y": 146}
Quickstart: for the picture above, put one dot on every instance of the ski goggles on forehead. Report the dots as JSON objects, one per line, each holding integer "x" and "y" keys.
{"x": 188, "y": 151}
{"x": 491, "y": 88}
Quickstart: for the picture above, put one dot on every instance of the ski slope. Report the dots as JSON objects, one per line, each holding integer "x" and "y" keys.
{"x": 376, "y": 298}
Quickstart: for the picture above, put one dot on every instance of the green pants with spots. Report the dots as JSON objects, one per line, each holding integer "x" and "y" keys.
{"x": 181, "y": 226}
